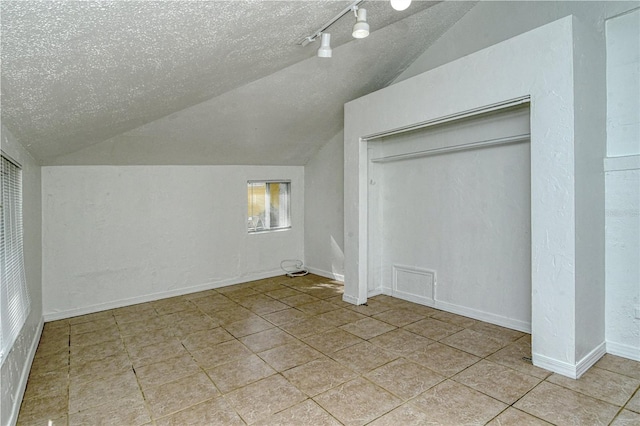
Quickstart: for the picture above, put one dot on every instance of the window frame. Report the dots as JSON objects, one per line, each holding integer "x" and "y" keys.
{"x": 267, "y": 217}
{"x": 14, "y": 294}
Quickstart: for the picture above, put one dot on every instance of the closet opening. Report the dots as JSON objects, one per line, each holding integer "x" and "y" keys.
{"x": 449, "y": 215}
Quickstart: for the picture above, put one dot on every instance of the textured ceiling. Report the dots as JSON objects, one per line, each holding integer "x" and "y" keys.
{"x": 90, "y": 82}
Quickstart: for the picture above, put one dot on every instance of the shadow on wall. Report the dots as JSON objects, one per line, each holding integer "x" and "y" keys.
{"x": 337, "y": 260}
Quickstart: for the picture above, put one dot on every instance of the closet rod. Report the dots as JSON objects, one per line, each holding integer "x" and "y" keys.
{"x": 451, "y": 117}
{"x": 454, "y": 148}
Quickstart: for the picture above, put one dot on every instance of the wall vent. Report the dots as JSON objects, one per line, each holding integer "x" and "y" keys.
{"x": 414, "y": 284}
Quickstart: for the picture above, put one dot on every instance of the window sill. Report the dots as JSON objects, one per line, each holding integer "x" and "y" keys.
{"x": 268, "y": 231}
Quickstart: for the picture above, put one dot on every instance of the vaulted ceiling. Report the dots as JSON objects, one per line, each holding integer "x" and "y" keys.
{"x": 201, "y": 82}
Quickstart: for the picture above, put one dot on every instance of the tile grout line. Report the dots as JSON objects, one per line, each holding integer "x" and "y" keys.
{"x": 237, "y": 301}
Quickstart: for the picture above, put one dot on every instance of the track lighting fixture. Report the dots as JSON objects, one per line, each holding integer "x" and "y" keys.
{"x": 400, "y": 4}
{"x": 325, "y": 49}
{"x": 361, "y": 27}
{"x": 325, "y": 46}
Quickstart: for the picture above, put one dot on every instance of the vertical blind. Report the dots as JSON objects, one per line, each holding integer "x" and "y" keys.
{"x": 14, "y": 297}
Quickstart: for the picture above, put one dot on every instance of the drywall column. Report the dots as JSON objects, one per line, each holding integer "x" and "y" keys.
{"x": 589, "y": 148}
{"x": 622, "y": 180}
{"x": 539, "y": 64}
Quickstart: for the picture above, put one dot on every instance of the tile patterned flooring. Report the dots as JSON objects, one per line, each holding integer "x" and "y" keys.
{"x": 285, "y": 351}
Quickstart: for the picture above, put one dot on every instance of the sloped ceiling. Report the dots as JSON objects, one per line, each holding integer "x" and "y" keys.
{"x": 211, "y": 82}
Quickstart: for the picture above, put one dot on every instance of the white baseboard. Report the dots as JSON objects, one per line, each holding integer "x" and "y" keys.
{"x": 53, "y": 316}
{"x": 326, "y": 274}
{"x": 622, "y": 350}
{"x": 410, "y": 297}
{"x": 24, "y": 374}
{"x": 511, "y": 323}
{"x": 590, "y": 359}
{"x": 561, "y": 367}
{"x": 567, "y": 369}
{"x": 353, "y": 300}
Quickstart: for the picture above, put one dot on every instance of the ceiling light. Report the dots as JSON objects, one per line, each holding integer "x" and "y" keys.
{"x": 361, "y": 28}
{"x": 325, "y": 46}
{"x": 311, "y": 38}
{"x": 400, "y": 4}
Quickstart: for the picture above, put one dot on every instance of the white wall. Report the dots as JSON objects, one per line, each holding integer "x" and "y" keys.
{"x": 118, "y": 235}
{"x": 15, "y": 368}
{"x": 324, "y": 210}
{"x": 623, "y": 258}
{"x": 541, "y": 64}
{"x": 465, "y": 215}
{"x": 491, "y": 22}
{"x": 622, "y": 180}
{"x": 623, "y": 84}
{"x": 589, "y": 128}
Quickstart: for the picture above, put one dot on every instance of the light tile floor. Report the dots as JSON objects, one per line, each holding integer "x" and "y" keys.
{"x": 291, "y": 352}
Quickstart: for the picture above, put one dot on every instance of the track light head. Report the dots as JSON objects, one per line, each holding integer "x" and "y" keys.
{"x": 325, "y": 46}
{"x": 361, "y": 27}
{"x": 400, "y": 4}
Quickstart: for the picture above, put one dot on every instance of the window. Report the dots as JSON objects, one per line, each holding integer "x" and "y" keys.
{"x": 268, "y": 205}
{"x": 14, "y": 297}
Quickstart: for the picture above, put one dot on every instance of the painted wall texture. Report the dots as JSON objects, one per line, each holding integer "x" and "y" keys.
{"x": 623, "y": 259}
{"x": 623, "y": 84}
{"x": 119, "y": 235}
{"x": 545, "y": 64}
{"x": 15, "y": 368}
{"x": 490, "y": 22}
{"x": 465, "y": 215}
{"x": 622, "y": 179}
{"x": 324, "y": 210}
{"x": 472, "y": 33}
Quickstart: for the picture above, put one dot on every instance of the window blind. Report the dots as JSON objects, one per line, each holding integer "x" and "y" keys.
{"x": 14, "y": 297}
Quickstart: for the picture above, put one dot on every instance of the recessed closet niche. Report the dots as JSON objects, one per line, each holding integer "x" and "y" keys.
{"x": 449, "y": 216}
